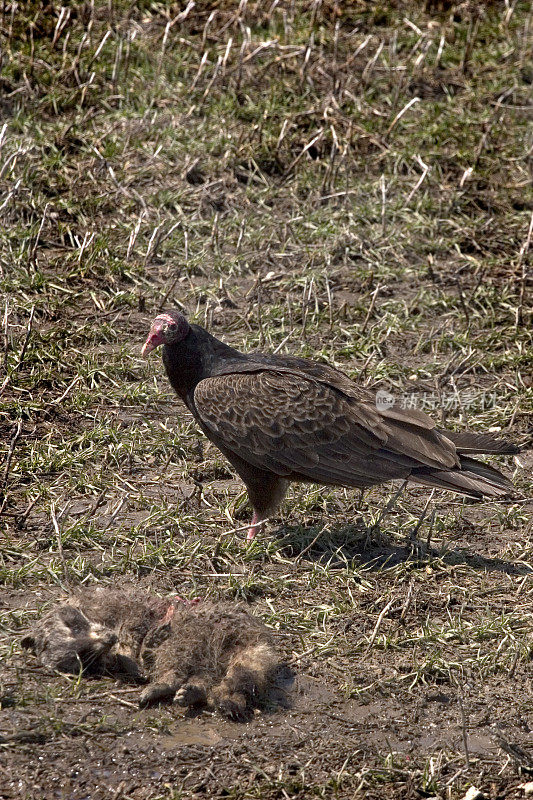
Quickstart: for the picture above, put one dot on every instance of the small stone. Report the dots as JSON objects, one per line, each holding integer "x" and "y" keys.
{"x": 473, "y": 794}
{"x": 527, "y": 788}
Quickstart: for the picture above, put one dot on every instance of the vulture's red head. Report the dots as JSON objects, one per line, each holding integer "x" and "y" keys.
{"x": 167, "y": 328}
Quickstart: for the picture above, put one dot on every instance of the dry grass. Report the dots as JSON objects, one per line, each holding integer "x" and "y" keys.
{"x": 348, "y": 181}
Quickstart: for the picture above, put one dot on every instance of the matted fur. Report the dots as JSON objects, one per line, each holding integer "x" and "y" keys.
{"x": 210, "y": 654}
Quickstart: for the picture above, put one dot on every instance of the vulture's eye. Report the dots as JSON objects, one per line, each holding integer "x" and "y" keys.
{"x": 172, "y": 326}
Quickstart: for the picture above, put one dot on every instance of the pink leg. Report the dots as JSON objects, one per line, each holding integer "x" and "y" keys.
{"x": 255, "y": 526}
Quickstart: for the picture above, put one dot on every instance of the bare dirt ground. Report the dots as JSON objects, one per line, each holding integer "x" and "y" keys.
{"x": 347, "y": 181}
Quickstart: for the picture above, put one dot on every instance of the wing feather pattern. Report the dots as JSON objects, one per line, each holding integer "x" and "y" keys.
{"x": 300, "y": 427}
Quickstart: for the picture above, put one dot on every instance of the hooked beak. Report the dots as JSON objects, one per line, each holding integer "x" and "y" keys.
{"x": 155, "y": 338}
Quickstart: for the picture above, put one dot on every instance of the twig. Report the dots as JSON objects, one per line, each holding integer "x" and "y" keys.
{"x": 8, "y": 463}
{"x": 59, "y": 542}
{"x": 115, "y": 512}
{"x": 244, "y": 527}
{"x": 420, "y": 181}
{"x": 314, "y": 649}
{"x": 390, "y": 505}
{"x": 300, "y": 155}
{"x": 71, "y": 385}
{"x": 462, "y": 301}
{"x": 371, "y": 63}
{"x": 36, "y": 243}
{"x": 371, "y": 307}
{"x": 309, "y": 546}
{"x": 422, "y": 517}
{"x": 400, "y": 114}
{"x": 134, "y": 234}
{"x": 22, "y": 353}
{"x": 407, "y": 602}
{"x": 379, "y": 621}
{"x": 464, "y": 732}
{"x": 6, "y": 335}
{"x": 280, "y": 345}
{"x": 383, "y": 186}
{"x": 124, "y": 702}
{"x": 522, "y": 259}
{"x": 455, "y": 776}
{"x": 24, "y": 516}
{"x": 471, "y": 36}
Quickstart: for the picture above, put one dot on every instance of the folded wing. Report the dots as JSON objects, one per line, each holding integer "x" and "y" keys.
{"x": 303, "y": 428}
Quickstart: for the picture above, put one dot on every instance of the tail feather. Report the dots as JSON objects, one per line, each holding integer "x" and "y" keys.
{"x": 473, "y": 478}
{"x": 468, "y": 443}
{"x": 487, "y": 473}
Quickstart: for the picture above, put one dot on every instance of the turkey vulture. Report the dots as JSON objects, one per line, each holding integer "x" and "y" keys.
{"x": 279, "y": 419}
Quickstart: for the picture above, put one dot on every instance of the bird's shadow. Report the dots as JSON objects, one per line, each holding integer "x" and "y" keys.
{"x": 369, "y": 549}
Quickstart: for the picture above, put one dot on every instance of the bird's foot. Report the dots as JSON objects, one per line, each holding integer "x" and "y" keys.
{"x": 255, "y": 526}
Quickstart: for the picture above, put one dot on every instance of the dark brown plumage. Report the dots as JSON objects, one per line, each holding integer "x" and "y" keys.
{"x": 279, "y": 419}
{"x": 210, "y": 654}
